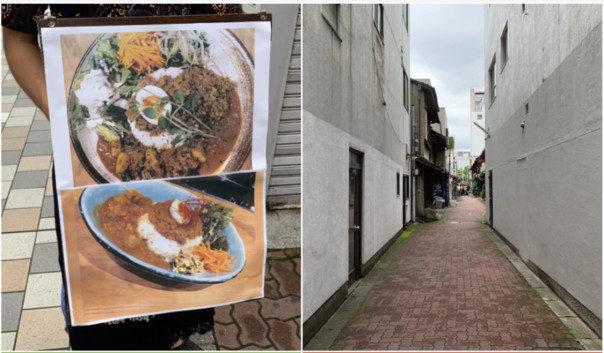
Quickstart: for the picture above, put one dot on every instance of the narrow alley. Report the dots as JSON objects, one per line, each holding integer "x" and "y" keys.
{"x": 447, "y": 286}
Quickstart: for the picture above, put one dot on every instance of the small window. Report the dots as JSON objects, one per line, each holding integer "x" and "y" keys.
{"x": 479, "y": 117}
{"x": 504, "y": 47}
{"x": 406, "y": 187}
{"x": 330, "y": 14}
{"x": 492, "y": 82}
{"x": 398, "y": 184}
{"x": 378, "y": 18}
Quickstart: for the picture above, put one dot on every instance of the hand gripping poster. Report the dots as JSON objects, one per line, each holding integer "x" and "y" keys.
{"x": 159, "y": 130}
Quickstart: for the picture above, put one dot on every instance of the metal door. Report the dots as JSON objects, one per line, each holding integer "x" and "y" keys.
{"x": 354, "y": 216}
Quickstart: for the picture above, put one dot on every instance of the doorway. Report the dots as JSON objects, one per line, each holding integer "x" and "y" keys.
{"x": 491, "y": 198}
{"x": 355, "y": 216}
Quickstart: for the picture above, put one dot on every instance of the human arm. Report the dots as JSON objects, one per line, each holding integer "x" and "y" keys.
{"x": 24, "y": 59}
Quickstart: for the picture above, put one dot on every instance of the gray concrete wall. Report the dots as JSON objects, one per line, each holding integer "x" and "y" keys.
{"x": 352, "y": 99}
{"x": 547, "y": 177}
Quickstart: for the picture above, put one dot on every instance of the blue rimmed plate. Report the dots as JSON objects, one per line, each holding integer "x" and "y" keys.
{"x": 158, "y": 191}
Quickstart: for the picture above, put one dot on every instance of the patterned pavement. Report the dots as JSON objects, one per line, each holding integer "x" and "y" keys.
{"x": 31, "y": 278}
{"x": 449, "y": 288}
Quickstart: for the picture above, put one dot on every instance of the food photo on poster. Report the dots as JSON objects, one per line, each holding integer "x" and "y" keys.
{"x": 163, "y": 245}
{"x": 143, "y": 104}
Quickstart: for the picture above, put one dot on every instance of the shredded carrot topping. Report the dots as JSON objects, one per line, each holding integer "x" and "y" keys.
{"x": 139, "y": 51}
{"x": 213, "y": 260}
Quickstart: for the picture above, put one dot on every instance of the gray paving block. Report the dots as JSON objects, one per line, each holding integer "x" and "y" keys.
{"x": 3, "y": 203}
{"x": 48, "y": 207}
{"x": 23, "y": 103}
{"x": 45, "y": 258}
{"x": 39, "y": 136}
{"x": 40, "y": 125}
{"x": 11, "y": 157}
{"x": 30, "y": 179}
{"x": 37, "y": 148}
{"x": 10, "y": 91}
{"x": 22, "y": 95}
{"x": 11, "y": 310}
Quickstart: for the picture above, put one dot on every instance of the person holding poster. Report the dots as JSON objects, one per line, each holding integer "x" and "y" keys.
{"x": 20, "y": 33}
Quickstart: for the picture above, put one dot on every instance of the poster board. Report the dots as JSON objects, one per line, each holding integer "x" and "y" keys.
{"x": 159, "y": 129}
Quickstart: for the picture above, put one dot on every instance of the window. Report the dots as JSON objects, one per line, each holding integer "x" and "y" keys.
{"x": 330, "y": 14}
{"x": 504, "y": 47}
{"x": 492, "y": 82}
{"x": 398, "y": 184}
{"x": 477, "y": 103}
{"x": 378, "y": 18}
{"x": 405, "y": 90}
{"x": 406, "y": 15}
{"x": 479, "y": 117}
{"x": 406, "y": 187}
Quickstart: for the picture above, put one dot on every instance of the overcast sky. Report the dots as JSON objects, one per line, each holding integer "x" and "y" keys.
{"x": 447, "y": 48}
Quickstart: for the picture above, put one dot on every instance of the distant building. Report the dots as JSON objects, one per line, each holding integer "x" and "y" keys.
{"x": 356, "y": 145}
{"x": 430, "y": 137}
{"x": 543, "y": 65}
{"x": 477, "y": 116}
{"x": 463, "y": 158}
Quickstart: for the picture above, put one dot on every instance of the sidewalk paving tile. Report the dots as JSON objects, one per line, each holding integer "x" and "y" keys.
{"x": 42, "y": 329}
{"x": 18, "y": 220}
{"x": 47, "y": 223}
{"x": 13, "y": 144}
{"x": 49, "y": 189}
{"x": 10, "y": 91}
{"x": 39, "y": 136}
{"x": 9, "y": 98}
{"x": 7, "y": 107}
{"x": 23, "y": 111}
{"x": 47, "y": 236}
{"x": 13, "y": 121}
{"x": 31, "y": 163}
{"x": 30, "y": 179}
{"x": 6, "y": 188}
{"x": 43, "y": 290}
{"x": 48, "y": 207}
{"x": 38, "y": 125}
{"x": 17, "y": 246}
{"x": 10, "y": 158}
{"x": 8, "y": 341}
{"x": 40, "y": 116}
{"x": 8, "y": 172}
{"x": 14, "y": 275}
{"x": 24, "y": 198}
{"x": 17, "y": 131}
{"x": 11, "y": 310}
{"x": 45, "y": 258}
{"x": 24, "y": 103}
{"x": 37, "y": 148}
{"x": 281, "y": 333}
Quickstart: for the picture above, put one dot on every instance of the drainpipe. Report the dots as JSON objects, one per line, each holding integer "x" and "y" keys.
{"x": 412, "y": 186}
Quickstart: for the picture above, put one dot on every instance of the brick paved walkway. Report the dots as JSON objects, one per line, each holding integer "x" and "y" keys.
{"x": 449, "y": 288}
{"x": 272, "y": 323}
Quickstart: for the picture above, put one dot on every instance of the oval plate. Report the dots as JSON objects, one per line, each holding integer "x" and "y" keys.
{"x": 158, "y": 191}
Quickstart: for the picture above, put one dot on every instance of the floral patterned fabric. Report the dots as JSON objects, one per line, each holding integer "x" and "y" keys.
{"x": 21, "y": 17}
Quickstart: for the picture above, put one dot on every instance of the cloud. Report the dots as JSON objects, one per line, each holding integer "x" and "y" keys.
{"x": 447, "y": 48}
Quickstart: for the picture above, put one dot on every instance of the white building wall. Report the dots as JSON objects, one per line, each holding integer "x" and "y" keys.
{"x": 547, "y": 177}
{"x": 477, "y": 136}
{"x": 353, "y": 98}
